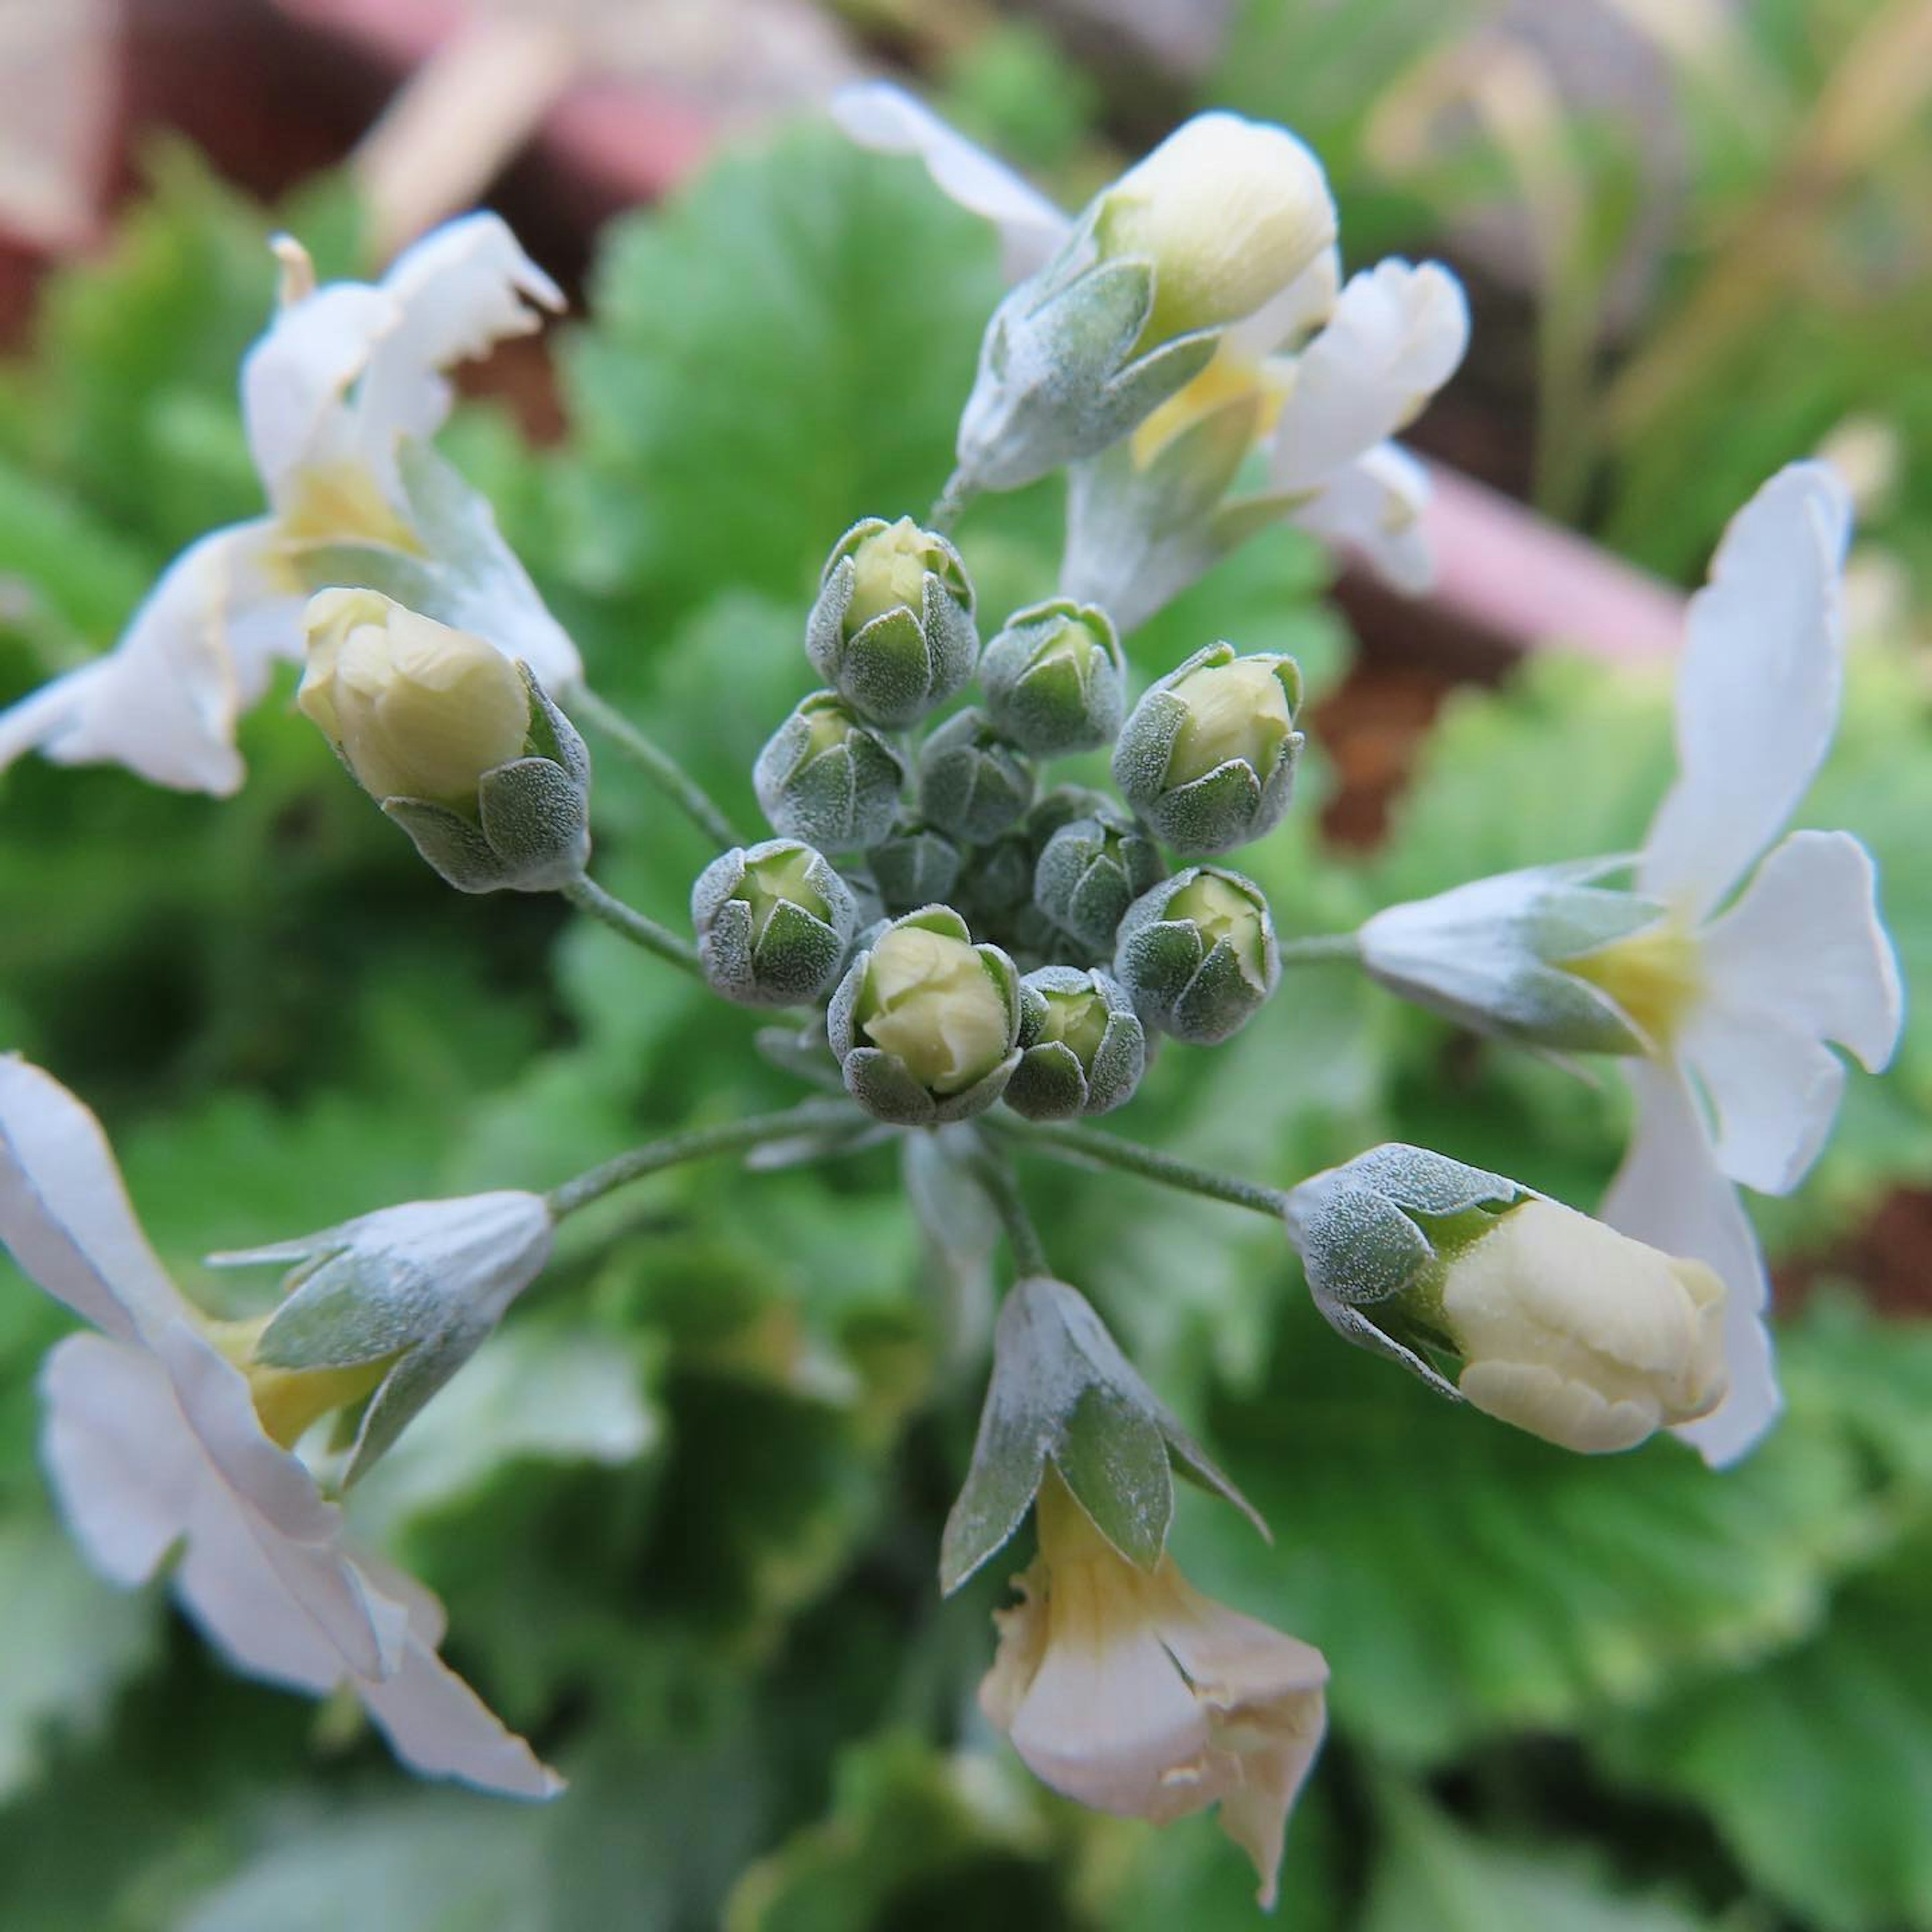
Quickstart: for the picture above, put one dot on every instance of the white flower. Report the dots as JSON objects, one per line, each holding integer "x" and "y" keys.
{"x": 346, "y": 377}
{"x": 1141, "y": 528}
{"x": 153, "y": 1441}
{"x": 1130, "y": 1691}
{"x": 1740, "y": 1002}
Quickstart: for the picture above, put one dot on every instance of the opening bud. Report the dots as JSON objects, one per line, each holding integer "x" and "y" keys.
{"x": 1055, "y": 679}
{"x": 461, "y": 745}
{"x": 1089, "y": 874}
{"x": 1546, "y": 1319}
{"x": 1208, "y": 755}
{"x": 973, "y": 784}
{"x": 893, "y": 628}
{"x": 1083, "y": 1049}
{"x": 774, "y": 922}
{"x": 827, "y": 778}
{"x": 925, "y": 1023}
{"x": 1198, "y": 954}
{"x": 1229, "y": 212}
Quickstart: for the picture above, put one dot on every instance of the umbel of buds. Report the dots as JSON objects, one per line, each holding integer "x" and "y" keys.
{"x": 461, "y": 746}
{"x": 1198, "y": 954}
{"x": 1208, "y": 756}
{"x": 926, "y": 1025}
{"x": 1082, "y": 1047}
{"x": 1551, "y": 1321}
{"x": 1055, "y": 679}
{"x": 1212, "y": 226}
{"x": 1091, "y": 871}
{"x": 893, "y": 628}
{"x": 973, "y": 784}
{"x": 827, "y": 777}
{"x": 774, "y": 923}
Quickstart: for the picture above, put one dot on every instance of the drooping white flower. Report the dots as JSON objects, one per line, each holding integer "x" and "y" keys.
{"x": 1129, "y": 1690}
{"x": 154, "y": 1439}
{"x": 1742, "y": 1002}
{"x": 347, "y": 380}
{"x": 1149, "y": 515}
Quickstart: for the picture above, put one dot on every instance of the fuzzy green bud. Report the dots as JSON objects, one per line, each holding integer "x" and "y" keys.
{"x": 827, "y": 777}
{"x": 774, "y": 922}
{"x": 973, "y": 784}
{"x": 1055, "y": 679}
{"x": 1090, "y": 873}
{"x": 1082, "y": 1047}
{"x": 1198, "y": 954}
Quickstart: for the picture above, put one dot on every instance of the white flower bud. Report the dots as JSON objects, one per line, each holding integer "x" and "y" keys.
{"x": 1228, "y": 211}
{"x": 416, "y": 709}
{"x": 1580, "y": 1334}
{"x": 934, "y": 1006}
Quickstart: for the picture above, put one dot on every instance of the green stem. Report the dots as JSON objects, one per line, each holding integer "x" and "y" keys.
{"x": 954, "y": 498}
{"x": 1324, "y": 946}
{"x": 1029, "y": 1252}
{"x": 699, "y": 1144}
{"x": 1086, "y": 1147}
{"x": 671, "y": 778}
{"x": 587, "y": 895}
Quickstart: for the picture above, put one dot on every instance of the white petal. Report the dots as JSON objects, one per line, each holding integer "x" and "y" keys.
{"x": 1671, "y": 1192}
{"x": 1374, "y": 507}
{"x": 463, "y": 288}
{"x": 1805, "y": 941}
{"x": 294, "y": 379}
{"x": 1758, "y": 690}
{"x": 1801, "y": 958}
{"x": 1283, "y": 321}
{"x": 437, "y": 1725}
{"x": 1396, "y": 337}
{"x": 123, "y": 1462}
{"x": 65, "y": 1213}
{"x": 163, "y": 702}
{"x": 877, "y": 115}
{"x": 298, "y": 1533}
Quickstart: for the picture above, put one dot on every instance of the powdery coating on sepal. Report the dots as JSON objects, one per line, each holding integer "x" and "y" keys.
{"x": 1054, "y": 678}
{"x": 1491, "y": 955}
{"x": 1063, "y": 1399}
{"x": 827, "y": 777}
{"x": 1091, "y": 871}
{"x": 1083, "y": 1049}
{"x": 1198, "y": 954}
{"x": 925, "y": 1024}
{"x": 917, "y": 866}
{"x": 972, "y": 784}
{"x": 1208, "y": 757}
{"x": 892, "y": 626}
{"x": 154, "y": 1445}
{"x": 1130, "y": 1691}
{"x": 1555, "y": 1323}
{"x": 343, "y": 374}
{"x": 419, "y": 1287}
{"x": 774, "y": 922}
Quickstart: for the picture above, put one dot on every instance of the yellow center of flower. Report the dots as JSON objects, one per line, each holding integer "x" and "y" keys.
{"x": 289, "y": 1401}
{"x": 340, "y": 503}
{"x": 1656, "y": 976}
{"x": 1230, "y": 378}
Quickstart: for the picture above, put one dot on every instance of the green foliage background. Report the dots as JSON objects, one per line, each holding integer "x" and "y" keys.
{"x": 685, "y": 1509}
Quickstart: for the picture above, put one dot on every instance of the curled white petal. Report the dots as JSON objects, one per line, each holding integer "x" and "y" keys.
{"x": 163, "y": 702}
{"x": 1397, "y": 335}
{"x": 1759, "y": 688}
{"x": 1671, "y": 1192}
{"x": 1374, "y": 507}
{"x": 877, "y": 115}
{"x": 65, "y": 1213}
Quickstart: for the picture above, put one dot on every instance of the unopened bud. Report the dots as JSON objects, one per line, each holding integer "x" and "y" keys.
{"x": 1091, "y": 871}
{"x": 1082, "y": 1047}
{"x": 973, "y": 784}
{"x": 917, "y": 866}
{"x": 925, "y": 1023}
{"x": 1228, "y": 211}
{"x": 827, "y": 778}
{"x": 460, "y": 745}
{"x": 1055, "y": 679}
{"x": 1198, "y": 954}
{"x": 1208, "y": 756}
{"x": 893, "y": 628}
{"x": 774, "y": 922}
